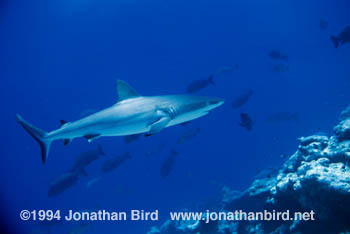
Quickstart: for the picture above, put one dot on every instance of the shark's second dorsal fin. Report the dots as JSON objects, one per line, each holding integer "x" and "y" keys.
{"x": 63, "y": 122}
{"x": 124, "y": 91}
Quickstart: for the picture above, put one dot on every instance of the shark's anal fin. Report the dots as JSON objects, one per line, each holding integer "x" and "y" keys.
{"x": 125, "y": 91}
{"x": 91, "y": 137}
{"x": 158, "y": 125}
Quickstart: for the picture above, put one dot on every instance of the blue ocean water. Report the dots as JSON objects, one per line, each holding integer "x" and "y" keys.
{"x": 60, "y": 59}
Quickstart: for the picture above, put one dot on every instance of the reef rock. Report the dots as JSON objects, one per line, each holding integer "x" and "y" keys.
{"x": 316, "y": 178}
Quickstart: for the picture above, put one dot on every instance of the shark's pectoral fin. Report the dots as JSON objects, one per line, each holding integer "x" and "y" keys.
{"x": 66, "y": 141}
{"x": 91, "y": 137}
{"x": 158, "y": 125}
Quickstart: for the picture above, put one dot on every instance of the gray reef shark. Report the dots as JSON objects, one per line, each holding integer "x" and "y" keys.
{"x": 132, "y": 114}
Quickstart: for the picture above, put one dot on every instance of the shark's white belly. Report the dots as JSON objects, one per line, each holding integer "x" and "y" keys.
{"x": 123, "y": 130}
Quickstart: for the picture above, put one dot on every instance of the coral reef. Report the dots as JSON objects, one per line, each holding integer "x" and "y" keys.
{"x": 315, "y": 178}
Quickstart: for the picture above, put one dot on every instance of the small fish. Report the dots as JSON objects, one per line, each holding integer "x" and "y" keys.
{"x": 64, "y": 182}
{"x": 323, "y": 24}
{"x": 130, "y": 138}
{"x": 188, "y": 135}
{"x": 280, "y": 67}
{"x": 242, "y": 99}
{"x": 200, "y": 84}
{"x": 115, "y": 162}
{"x": 277, "y": 55}
{"x": 246, "y": 122}
{"x": 342, "y": 38}
{"x": 85, "y": 158}
{"x": 281, "y": 117}
{"x": 168, "y": 164}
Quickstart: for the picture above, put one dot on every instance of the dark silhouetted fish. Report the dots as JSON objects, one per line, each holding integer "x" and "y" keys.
{"x": 188, "y": 135}
{"x": 323, "y": 24}
{"x": 242, "y": 99}
{"x": 277, "y": 55}
{"x": 113, "y": 163}
{"x": 168, "y": 164}
{"x": 246, "y": 122}
{"x": 280, "y": 67}
{"x": 200, "y": 84}
{"x": 85, "y": 158}
{"x": 130, "y": 138}
{"x": 63, "y": 182}
{"x": 281, "y": 117}
{"x": 342, "y": 38}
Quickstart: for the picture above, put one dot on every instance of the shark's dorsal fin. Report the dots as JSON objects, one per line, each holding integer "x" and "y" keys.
{"x": 124, "y": 91}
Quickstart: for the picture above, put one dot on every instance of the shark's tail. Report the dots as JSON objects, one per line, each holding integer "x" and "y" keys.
{"x": 39, "y": 135}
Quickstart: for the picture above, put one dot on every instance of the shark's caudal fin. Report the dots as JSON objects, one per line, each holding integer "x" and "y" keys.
{"x": 38, "y": 135}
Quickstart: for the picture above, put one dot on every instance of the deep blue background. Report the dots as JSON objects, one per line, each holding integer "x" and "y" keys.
{"x": 61, "y": 58}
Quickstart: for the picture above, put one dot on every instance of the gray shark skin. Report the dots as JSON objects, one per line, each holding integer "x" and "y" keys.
{"x": 132, "y": 114}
